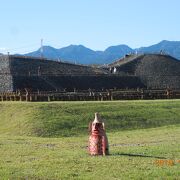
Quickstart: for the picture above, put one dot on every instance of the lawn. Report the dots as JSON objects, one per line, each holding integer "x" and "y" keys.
{"x": 37, "y": 140}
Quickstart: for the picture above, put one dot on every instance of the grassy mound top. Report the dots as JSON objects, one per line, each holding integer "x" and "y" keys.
{"x": 58, "y": 119}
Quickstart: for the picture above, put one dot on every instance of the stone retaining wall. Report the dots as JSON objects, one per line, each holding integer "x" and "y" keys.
{"x": 6, "y": 83}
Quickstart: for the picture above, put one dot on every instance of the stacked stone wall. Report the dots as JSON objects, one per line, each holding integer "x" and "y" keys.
{"x": 152, "y": 71}
{"x": 6, "y": 83}
{"x": 22, "y": 66}
{"x": 52, "y": 83}
{"x": 155, "y": 71}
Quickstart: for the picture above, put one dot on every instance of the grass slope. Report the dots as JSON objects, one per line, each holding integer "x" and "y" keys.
{"x": 59, "y": 119}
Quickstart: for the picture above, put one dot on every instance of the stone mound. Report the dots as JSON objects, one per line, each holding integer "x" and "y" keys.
{"x": 156, "y": 71}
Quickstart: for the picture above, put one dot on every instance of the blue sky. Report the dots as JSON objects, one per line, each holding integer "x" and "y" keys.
{"x": 96, "y": 24}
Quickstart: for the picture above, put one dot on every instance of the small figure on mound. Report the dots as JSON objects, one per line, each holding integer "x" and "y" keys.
{"x": 98, "y": 142}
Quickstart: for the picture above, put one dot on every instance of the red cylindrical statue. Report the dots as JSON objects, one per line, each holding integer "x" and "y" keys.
{"x": 98, "y": 142}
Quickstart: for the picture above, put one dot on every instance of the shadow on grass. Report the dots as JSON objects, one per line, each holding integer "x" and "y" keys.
{"x": 137, "y": 155}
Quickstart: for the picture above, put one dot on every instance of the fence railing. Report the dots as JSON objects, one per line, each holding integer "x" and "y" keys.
{"x": 90, "y": 95}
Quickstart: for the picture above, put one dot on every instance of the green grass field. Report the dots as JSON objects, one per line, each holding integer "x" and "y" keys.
{"x": 49, "y": 140}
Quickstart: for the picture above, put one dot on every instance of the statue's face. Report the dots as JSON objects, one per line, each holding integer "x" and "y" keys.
{"x": 96, "y": 126}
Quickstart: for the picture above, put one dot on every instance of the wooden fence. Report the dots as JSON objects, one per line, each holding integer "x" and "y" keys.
{"x": 108, "y": 95}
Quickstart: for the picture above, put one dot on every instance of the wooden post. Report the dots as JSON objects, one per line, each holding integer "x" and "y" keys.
{"x": 35, "y": 97}
{"x": 102, "y": 98}
{"x": 30, "y": 98}
{"x": 111, "y": 97}
{"x": 27, "y": 98}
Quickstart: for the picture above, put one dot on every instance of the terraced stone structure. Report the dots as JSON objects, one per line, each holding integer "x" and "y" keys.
{"x": 156, "y": 71}
{"x": 134, "y": 71}
{"x": 37, "y": 74}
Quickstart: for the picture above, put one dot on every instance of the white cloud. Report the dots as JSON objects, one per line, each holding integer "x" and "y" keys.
{"x": 3, "y": 49}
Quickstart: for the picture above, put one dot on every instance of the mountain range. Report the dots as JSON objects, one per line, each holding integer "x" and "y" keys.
{"x": 83, "y": 55}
